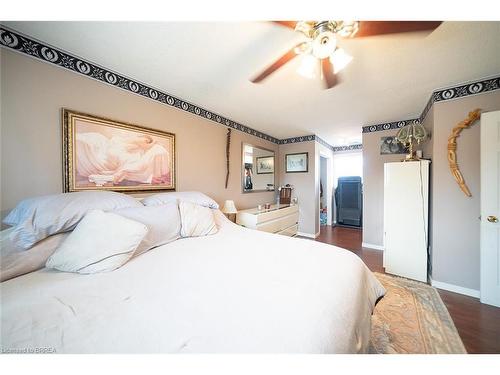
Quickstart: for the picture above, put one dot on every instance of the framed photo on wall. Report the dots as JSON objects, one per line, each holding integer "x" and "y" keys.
{"x": 297, "y": 163}
{"x": 390, "y": 145}
{"x": 103, "y": 154}
{"x": 265, "y": 164}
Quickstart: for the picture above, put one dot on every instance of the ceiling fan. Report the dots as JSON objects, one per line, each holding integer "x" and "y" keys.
{"x": 320, "y": 44}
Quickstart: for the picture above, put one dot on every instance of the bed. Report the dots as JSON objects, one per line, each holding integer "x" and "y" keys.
{"x": 238, "y": 291}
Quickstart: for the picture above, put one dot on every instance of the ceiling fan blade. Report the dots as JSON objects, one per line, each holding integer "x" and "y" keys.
{"x": 328, "y": 75}
{"x": 276, "y": 65}
{"x": 371, "y": 28}
{"x": 289, "y": 24}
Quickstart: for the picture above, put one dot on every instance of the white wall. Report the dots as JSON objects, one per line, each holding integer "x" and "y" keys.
{"x": 306, "y": 187}
{"x": 373, "y": 186}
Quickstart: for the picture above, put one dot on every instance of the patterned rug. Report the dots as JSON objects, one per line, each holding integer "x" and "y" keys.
{"x": 412, "y": 318}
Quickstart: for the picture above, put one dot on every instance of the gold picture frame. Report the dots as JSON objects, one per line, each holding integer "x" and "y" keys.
{"x": 105, "y": 154}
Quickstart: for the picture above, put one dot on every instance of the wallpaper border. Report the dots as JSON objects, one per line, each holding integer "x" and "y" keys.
{"x": 34, "y": 48}
{"x": 303, "y": 138}
{"x": 357, "y": 146}
{"x": 388, "y": 125}
{"x": 29, "y": 46}
{"x": 457, "y": 91}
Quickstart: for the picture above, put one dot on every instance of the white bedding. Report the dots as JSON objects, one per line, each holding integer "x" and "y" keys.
{"x": 236, "y": 291}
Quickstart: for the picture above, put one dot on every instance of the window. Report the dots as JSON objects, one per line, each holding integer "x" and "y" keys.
{"x": 248, "y": 154}
{"x": 347, "y": 164}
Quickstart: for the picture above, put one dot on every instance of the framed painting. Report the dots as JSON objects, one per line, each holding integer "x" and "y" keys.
{"x": 297, "y": 163}
{"x": 265, "y": 164}
{"x": 390, "y": 145}
{"x": 103, "y": 154}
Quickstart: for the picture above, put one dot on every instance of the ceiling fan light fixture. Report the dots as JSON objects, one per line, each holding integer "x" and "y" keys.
{"x": 308, "y": 66}
{"x": 347, "y": 29}
{"x": 323, "y": 44}
{"x": 303, "y": 48}
{"x": 305, "y": 27}
{"x": 340, "y": 59}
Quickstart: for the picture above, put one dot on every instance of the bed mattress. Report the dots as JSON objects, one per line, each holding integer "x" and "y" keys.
{"x": 239, "y": 291}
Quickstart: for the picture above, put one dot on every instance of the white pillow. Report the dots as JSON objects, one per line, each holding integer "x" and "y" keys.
{"x": 163, "y": 222}
{"x": 187, "y": 196}
{"x": 16, "y": 262}
{"x": 196, "y": 220}
{"x": 101, "y": 242}
{"x": 37, "y": 218}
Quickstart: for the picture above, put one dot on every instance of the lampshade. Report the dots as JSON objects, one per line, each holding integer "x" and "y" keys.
{"x": 229, "y": 207}
{"x": 340, "y": 59}
{"x": 308, "y": 66}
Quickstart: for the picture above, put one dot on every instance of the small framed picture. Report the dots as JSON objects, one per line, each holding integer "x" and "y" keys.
{"x": 390, "y": 145}
{"x": 297, "y": 163}
{"x": 265, "y": 165}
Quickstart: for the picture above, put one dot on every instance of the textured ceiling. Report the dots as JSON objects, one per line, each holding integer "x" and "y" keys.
{"x": 390, "y": 78}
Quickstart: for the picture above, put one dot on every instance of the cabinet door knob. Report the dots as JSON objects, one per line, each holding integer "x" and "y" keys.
{"x": 492, "y": 219}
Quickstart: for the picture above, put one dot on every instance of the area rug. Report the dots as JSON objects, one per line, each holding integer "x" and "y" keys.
{"x": 412, "y": 318}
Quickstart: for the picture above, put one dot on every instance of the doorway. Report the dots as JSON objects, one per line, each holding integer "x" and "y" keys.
{"x": 347, "y": 185}
{"x": 325, "y": 190}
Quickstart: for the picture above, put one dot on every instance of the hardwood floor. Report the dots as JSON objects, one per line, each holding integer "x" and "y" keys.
{"x": 477, "y": 324}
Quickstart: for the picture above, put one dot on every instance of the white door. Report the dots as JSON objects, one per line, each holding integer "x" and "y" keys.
{"x": 490, "y": 208}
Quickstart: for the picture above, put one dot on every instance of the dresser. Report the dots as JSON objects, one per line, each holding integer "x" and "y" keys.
{"x": 280, "y": 219}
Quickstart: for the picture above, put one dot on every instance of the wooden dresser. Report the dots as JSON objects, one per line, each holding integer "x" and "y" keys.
{"x": 280, "y": 219}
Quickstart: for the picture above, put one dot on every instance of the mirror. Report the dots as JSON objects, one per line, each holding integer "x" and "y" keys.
{"x": 257, "y": 169}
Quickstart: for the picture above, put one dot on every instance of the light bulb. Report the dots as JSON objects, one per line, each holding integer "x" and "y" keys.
{"x": 340, "y": 59}
{"x": 308, "y": 66}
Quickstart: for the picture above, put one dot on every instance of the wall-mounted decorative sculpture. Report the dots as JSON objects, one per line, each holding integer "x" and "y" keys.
{"x": 228, "y": 145}
{"x": 452, "y": 148}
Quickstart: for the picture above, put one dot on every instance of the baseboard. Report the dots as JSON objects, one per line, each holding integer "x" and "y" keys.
{"x": 308, "y": 235}
{"x": 455, "y": 288}
{"x": 371, "y": 246}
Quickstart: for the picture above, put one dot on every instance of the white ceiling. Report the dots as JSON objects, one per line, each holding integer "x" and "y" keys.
{"x": 208, "y": 64}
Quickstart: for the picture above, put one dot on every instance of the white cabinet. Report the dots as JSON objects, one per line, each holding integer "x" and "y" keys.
{"x": 406, "y": 211}
{"x": 281, "y": 219}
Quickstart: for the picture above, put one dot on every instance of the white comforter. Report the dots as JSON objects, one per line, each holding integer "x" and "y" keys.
{"x": 236, "y": 291}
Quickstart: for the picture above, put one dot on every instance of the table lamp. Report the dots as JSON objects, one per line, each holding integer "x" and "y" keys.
{"x": 229, "y": 209}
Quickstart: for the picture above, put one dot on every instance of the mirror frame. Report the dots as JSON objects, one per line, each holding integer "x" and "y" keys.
{"x": 243, "y": 144}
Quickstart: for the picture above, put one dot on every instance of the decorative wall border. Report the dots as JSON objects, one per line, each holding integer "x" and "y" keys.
{"x": 23, "y": 44}
{"x": 42, "y": 51}
{"x": 460, "y": 91}
{"x": 304, "y": 138}
{"x": 309, "y": 138}
{"x": 353, "y": 147}
{"x": 358, "y": 146}
{"x": 450, "y": 93}
{"x": 388, "y": 125}
{"x": 321, "y": 141}
{"x": 34, "y": 48}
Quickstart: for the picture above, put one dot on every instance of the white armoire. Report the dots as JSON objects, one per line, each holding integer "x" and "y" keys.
{"x": 406, "y": 214}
